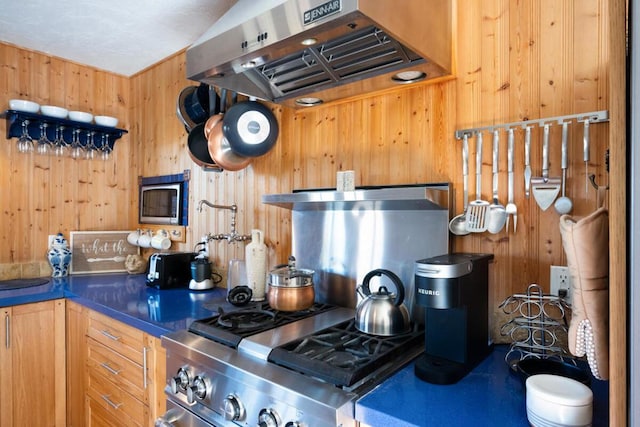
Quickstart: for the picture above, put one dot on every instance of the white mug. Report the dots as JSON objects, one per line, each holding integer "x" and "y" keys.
{"x": 161, "y": 240}
{"x": 144, "y": 241}
{"x": 133, "y": 237}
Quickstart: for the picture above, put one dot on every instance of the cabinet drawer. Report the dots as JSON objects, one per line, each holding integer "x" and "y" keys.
{"x": 98, "y": 416}
{"x": 115, "y": 401}
{"x": 122, "y": 338}
{"x": 119, "y": 370}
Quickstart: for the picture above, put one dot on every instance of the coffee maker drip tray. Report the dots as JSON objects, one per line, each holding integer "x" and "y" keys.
{"x": 437, "y": 370}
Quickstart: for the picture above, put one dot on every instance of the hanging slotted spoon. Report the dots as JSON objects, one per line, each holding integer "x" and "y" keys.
{"x": 477, "y": 209}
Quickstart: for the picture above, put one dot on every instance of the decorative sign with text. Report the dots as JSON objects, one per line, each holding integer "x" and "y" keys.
{"x": 100, "y": 251}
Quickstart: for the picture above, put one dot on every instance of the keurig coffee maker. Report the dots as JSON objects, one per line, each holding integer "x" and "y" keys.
{"x": 454, "y": 290}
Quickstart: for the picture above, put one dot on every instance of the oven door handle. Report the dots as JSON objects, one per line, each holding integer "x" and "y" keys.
{"x": 177, "y": 415}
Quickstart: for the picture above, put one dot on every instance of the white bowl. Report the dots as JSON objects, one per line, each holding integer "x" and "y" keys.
{"x": 53, "y": 111}
{"x": 106, "y": 121}
{"x": 23, "y": 105}
{"x": 80, "y": 116}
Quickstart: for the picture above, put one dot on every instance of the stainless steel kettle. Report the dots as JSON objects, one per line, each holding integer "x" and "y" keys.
{"x": 382, "y": 312}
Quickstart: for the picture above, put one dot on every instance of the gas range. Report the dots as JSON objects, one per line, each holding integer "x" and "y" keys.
{"x": 254, "y": 366}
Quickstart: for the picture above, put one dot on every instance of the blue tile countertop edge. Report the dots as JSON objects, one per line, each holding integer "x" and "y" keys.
{"x": 489, "y": 395}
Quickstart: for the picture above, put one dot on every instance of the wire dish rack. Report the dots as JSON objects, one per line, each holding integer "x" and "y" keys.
{"x": 539, "y": 326}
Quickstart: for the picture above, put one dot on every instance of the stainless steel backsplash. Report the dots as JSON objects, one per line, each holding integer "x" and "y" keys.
{"x": 344, "y": 235}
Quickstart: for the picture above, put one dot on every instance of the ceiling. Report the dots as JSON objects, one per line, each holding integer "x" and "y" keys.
{"x": 119, "y": 36}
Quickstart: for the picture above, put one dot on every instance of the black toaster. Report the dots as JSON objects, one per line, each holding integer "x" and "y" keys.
{"x": 169, "y": 270}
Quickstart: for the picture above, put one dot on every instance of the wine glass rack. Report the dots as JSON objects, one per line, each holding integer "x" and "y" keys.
{"x": 69, "y": 130}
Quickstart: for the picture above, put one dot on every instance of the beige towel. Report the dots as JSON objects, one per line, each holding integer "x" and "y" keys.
{"x": 586, "y": 243}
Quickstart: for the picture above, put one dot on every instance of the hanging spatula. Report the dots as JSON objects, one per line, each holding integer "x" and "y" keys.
{"x": 477, "y": 209}
{"x": 545, "y": 189}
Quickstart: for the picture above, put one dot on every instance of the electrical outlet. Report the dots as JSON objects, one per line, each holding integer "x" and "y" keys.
{"x": 561, "y": 282}
{"x": 50, "y": 240}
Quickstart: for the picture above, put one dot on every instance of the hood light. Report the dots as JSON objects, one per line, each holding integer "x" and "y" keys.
{"x": 249, "y": 64}
{"x": 309, "y": 101}
{"x": 309, "y": 42}
{"x": 404, "y": 77}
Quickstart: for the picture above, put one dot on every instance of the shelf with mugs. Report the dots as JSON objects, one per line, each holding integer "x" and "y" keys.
{"x": 60, "y": 135}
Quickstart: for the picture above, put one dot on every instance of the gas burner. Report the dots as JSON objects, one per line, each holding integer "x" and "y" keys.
{"x": 342, "y": 355}
{"x": 229, "y": 327}
{"x": 246, "y": 320}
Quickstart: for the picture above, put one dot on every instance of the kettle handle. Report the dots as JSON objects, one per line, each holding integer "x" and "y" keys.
{"x": 391, "y": 275}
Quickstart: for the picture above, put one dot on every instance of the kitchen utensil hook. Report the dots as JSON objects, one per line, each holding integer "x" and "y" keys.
{"x": 592, "y": 178}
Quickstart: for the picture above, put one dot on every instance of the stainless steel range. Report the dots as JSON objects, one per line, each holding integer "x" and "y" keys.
{"x": 254, "y": 366}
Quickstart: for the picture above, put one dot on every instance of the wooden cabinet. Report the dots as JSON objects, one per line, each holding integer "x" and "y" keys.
{"x": 119, "y": 378}
{"x": 32, "y": 365}
{"x": 76, "y": 356}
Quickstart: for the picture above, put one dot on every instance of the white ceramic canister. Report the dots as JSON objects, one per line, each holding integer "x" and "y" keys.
{"x": 255, "y": 255}
{"x": 59, "y": 256}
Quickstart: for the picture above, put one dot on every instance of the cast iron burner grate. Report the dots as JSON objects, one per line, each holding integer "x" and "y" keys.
{"x": 229, "y": 328}
{"x": 341, "y": 354}
{"x": 246, "y": 320}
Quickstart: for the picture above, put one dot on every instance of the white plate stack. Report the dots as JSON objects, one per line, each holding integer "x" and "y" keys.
{"x": 556, "y": 401}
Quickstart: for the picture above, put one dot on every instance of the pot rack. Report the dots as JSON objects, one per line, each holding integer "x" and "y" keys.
{"x": 592, "y": 117}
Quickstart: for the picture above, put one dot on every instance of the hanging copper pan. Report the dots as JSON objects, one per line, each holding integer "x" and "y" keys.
{"x": 219, "y": 148}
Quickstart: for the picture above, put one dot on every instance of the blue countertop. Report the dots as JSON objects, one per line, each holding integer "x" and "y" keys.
{"x": 489, "y": 395}
{"x": 126, "y": 298}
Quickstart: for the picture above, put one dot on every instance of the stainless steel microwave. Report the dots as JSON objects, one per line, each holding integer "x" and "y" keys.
{"x": 163, "y": 202}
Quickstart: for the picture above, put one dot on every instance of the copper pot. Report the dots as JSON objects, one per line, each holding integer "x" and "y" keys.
{"x": 290, "y": 298}
{"x": 290, "y": 288}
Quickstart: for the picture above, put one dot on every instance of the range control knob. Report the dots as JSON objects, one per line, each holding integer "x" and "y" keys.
{"x": 293, "y": 424}
{"x": 268, "y": 418}
{"x": 181, "y": 381}
{"x": 198, "y": 390}
{"x": 233, "y": 408}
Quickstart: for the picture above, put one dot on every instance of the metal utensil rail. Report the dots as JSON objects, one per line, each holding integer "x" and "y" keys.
{"x": 592, "y": 117}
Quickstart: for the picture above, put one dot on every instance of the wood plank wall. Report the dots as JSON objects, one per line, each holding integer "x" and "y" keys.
{"x": 516, "y": 60}
{"x": 44, "y": 195}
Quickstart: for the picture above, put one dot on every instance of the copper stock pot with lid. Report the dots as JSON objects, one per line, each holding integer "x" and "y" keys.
{"x": 290, "y": 288}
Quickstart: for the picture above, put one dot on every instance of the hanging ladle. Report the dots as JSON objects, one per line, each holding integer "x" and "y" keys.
{"x": 563, "y": 204}
{"x": 497, "y": 215}
{"x": 458, "y": 224}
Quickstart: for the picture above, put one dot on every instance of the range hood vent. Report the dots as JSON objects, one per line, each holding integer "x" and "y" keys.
{"x": 352, "y": 47}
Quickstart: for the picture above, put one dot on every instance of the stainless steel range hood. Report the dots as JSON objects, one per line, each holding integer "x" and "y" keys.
{"x": 287, "y": 50}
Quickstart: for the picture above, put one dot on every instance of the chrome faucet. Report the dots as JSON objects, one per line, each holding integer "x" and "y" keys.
{"x": 233, "y": 236}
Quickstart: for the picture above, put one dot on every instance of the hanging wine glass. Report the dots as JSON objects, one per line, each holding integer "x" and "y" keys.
{"x": 61, "y": 146}
{"x": 76, "y": 148}
{"x": 44, "y": 144}
{"x": 90, "y": 148}
{"x": 105, "y": 148}
{"x": 25, "y": 142}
